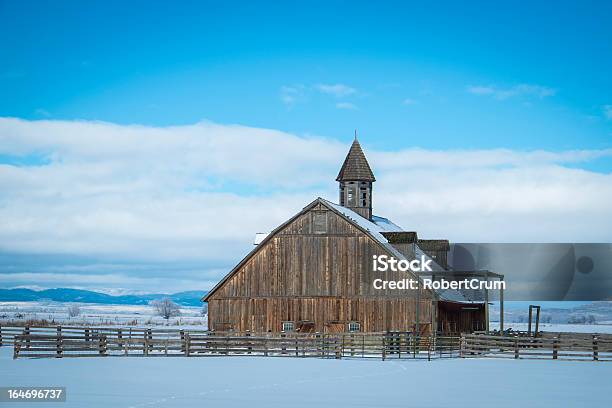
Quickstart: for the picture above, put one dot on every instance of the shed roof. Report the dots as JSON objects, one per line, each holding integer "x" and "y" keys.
{"x": 355, "y": 166}
{"x": 434, "y": 244}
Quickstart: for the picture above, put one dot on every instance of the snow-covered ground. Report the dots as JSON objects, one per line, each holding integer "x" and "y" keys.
{"x": 97, "y": 314}
{"x": 292, "y": 382}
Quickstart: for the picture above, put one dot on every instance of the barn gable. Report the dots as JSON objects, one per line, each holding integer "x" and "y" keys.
{"x": 314, "y": 272}
{"x": 325, "y": 250}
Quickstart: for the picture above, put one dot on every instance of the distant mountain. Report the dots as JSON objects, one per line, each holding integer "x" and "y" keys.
{"x": 190, "y": 298}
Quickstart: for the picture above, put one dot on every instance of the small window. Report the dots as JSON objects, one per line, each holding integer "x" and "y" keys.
{"x": 288, "y": 326}
{"x": 354, "y": 327}
{"x": 351, "y": 197}
{"x": 319, "y": 221}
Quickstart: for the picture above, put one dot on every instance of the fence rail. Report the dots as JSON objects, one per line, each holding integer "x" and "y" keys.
{"x": 67, "y": 341}
{"x": 576, "y": 346}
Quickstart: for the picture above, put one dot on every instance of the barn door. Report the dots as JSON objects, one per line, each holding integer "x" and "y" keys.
{"x": 306, "y": 327}
{"x": 334, "y": 328}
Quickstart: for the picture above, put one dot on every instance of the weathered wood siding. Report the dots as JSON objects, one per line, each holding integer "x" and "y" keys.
{"x": 267, "y": 314}
{"x": 318, "y": 268}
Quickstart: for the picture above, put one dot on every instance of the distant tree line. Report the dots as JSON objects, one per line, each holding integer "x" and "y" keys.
{"x": 543, "y": 319}
{"x": 582, "y": 319}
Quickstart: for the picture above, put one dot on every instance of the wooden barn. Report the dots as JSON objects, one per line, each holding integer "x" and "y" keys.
{"x": 314, "y": 273}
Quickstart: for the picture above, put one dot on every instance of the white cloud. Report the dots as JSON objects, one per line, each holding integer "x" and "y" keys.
{"x": 346, "y": 105}
{"x": 607, "y": 109}
{"x": 201, "y": 192}
{"x": 520, "y": 90}
{"x": 42, "y": 113}
{"x": 481, "y": 90}
{"x": 337, "y": 90}
{"x": 290, "y": 95}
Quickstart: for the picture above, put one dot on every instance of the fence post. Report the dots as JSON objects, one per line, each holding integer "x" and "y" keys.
{"x": 145, "y": 344}
{"x": 384, "y": 349}
{"x": 150, "y": 337}
{"x": 555, "y": 348}
{"x": 399, "y": 344}
{"x": 516, "y": 348}
{"x": 119, "y": 338}
{"x": 363, "y": 345}
{"x": 283, "y": 348}
{"x": 102, "y": 345}
{"x": 265, "y": 341}
{"x": 0, "y": 335}
{"x": 16, "y": 346}
{"x": 297, "y": 346}
{"x": 250, "y": 347}
{"x": 26, "y": 333}
{"x": 182, "y": 341}
{"x": 595, "y": 349}
{"x": 58, "y": 343}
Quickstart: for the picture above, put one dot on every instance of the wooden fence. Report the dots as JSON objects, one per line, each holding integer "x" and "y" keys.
{"x": 58, "y": 341}
{"x": 39, "y": 342}
{"x": 566, "y": 346}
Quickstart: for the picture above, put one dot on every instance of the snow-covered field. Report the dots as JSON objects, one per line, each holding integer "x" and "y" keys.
{"x": 144, "y": 315}
{"x": 292, "y": 382}
{"x": 281, "y": 382}
{"x": 97, "y": 314}
{"x": 558, "y": 327}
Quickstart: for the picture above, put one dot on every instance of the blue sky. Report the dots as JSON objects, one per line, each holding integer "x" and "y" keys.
{"x": 131, "y": 133}
{"x": 411, "y": 67}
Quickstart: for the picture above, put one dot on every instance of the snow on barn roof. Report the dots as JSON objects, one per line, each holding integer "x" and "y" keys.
{"x": 374, "y": 229}
{"x": 259, "y": 237}
{"x": 380, "y": 225}
{"x": 386, "y": 224}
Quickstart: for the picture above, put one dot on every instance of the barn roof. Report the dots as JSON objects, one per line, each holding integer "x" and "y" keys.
{"x": 373, "y": 229}
{"x": 355, "y": 166}
{"x": 386, "y": 223}
{"x": 434, "y": 244}
{"x": 378, "y": 232}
